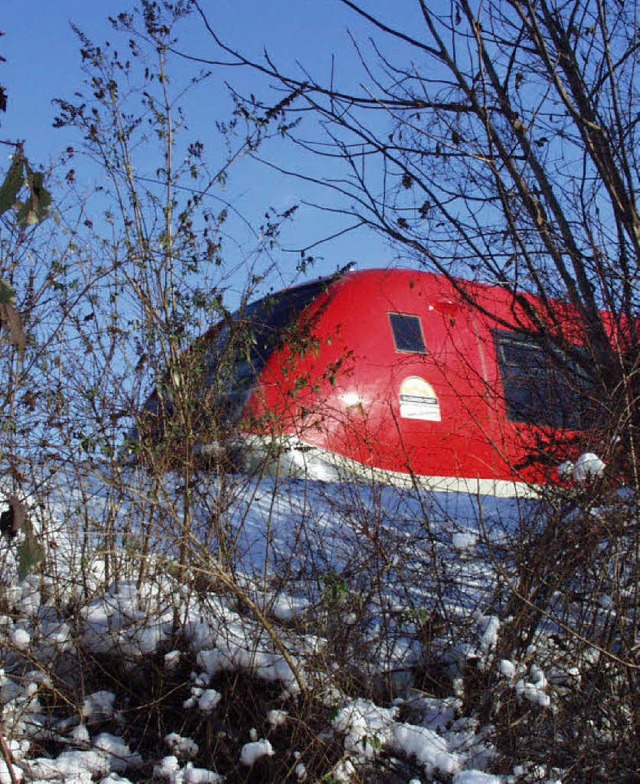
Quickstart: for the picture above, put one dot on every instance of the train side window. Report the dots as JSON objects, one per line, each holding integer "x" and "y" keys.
{"x": 539, "y": 388}
{"x": 407, "y": 333}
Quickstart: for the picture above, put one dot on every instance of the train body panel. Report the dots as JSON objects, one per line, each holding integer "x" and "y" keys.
{"x": 398, "y": 373}
{"x": 403, "y": 376}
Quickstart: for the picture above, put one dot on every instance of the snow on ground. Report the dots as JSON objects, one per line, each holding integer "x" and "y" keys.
{"x": 276, "y": 572}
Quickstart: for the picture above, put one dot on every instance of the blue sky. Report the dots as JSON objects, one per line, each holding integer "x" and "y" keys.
{"x": 43, "y": 63}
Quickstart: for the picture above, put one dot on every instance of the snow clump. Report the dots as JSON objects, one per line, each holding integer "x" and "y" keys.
{"x": 587, "y": 466}
{"x": 180, "y": 746}
{"x": 464, "y": 540}
{"x": 368, "y": 729}
{"x": 254, "y": 750}
{"x": 534, "y": 689}
{"x": 168, "y": 771}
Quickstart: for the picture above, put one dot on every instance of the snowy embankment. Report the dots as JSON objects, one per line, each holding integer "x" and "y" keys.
{"x": 294, "y": 631}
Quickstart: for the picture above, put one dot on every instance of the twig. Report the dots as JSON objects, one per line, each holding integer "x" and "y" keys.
{"x": 6, "y": 754}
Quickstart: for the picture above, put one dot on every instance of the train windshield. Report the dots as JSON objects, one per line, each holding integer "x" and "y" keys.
{"x": 244, "y": 345}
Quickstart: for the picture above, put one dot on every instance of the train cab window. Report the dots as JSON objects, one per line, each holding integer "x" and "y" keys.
{"x": 548, "y": 390}
{"x": 258, "y": 330}
{"x": 407, "y": 333}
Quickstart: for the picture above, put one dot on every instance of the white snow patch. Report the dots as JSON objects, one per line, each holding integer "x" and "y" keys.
{"x": 172, "y": 659}
{"x": 99, "y": 705}
{"x": 507, "y": 668}
{"x": 254, "y": 750}
{"x": 193, "y": 775}
{"x": 81, "y": 766}
{"x": 277, "y": 718}
{"x": 489, "y": 639}
{"x": 186, "y": 748}
{"x": 208, "y": 700}
{"x": 534, "y": 689}
{"x": 236, "y": 654}
{"x": 114, "y": 778}
{"x": 5, "y": 775}
{"x": 464, "y": 540}
{"x": 565, "y": 469}
{"x": 21, "y": 639}
{"x": 366, "y": 726}
{"x": 118, "y": 752}
{"x": 80, "y": 735}
{"x": 476, "y": 777}
{"x": 167, "y": 769}
{"x": 429, "y": 748}
{"x": 286, "y": 607}
{"x": 587, "y": 466}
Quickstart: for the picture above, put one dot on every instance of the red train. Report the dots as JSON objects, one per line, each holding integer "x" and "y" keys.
{"x": 401, "y": 376}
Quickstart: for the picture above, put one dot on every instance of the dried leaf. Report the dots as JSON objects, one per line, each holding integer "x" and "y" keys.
{"x": 13, "y": 519}
{"x": 37, "y": 207}
{"x": 10, "y": 318}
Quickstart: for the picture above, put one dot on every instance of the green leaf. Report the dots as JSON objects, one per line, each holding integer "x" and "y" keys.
{"x": 30, "y": 552}
{"x": 7, "y": 293}
{"x": 12, "y": 184}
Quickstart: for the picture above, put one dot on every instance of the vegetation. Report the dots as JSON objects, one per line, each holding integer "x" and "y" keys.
{"x": 373, "y": 623}
{"x": 496, "y": 141}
